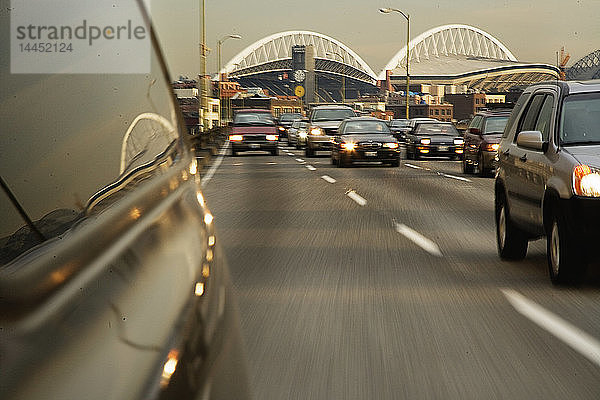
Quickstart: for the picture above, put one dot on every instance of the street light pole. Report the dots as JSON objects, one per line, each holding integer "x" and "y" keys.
{"x": 407, "y": 17}
{"x": 343, "y": 77}
{"x": 201, "y": 78}
{"x": 219, "y": 43}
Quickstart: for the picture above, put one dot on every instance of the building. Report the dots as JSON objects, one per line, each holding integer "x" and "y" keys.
{"x": 441, "y": 112}
{"x": 466, "y": 105}
{"x": 277, "y": 105}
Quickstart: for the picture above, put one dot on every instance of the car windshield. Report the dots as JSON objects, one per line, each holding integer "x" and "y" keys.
{"x": 495, "y": 125}
{"x": 258, "y": 118}
{"x": 436, "y": 129}
{"x": 289, "y": 117}
{"x": 399, "y": 123}
{"x": 365, "y": 128}
{"x": 580, "y": 119}
{"x": 332, "y": 114}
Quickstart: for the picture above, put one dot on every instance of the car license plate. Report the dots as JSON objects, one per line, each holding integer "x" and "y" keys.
{"x": 370, "y": 154}
{"x": 443, "y": 148}
{"x": 254, "y": 146}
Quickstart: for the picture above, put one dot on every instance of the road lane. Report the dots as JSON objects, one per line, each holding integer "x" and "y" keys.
{"x": 336, "y": 304}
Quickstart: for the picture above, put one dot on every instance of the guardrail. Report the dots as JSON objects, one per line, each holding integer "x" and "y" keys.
{"x": 207, "y": 144}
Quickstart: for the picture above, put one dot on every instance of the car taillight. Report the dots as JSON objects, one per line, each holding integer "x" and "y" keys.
{"x": 586, "y": 181}
{"x": 492, "y": 146}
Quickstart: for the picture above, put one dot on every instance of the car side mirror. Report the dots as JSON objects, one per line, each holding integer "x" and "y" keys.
{"x": 531, "y": 140}
{"x": 475, "y": 131}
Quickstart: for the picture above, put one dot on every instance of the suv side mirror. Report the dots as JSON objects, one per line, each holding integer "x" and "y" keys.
{"x": 531, "y": 140}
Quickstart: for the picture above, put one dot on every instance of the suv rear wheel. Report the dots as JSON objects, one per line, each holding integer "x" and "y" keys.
{"x": 512, "y": 242}
{"x": 566, "y": 260}
{"x": 466, "y": 167}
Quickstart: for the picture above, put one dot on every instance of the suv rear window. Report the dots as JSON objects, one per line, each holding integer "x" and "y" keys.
{"x": 495, "y": 125}
{"x": 436, "y": 129}
{"x": 580, "y": 119}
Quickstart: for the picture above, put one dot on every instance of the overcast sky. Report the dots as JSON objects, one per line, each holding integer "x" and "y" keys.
{"x": 534, "y": 30}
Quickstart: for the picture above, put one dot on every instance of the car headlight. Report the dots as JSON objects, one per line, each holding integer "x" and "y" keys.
{"x": 425, "y": 141}
{"x": 236, "y": 138}
{"x": 459, "y": 141}
{"x": 281, "y": 128}
{"x": 348, "y": 146}
{"x": 586, "y": 181}
{"x": 492, "y": 146}
{"x": 391, "y": 145}
{"x": 303, "y": 134}
{"x": 316, "y": 131}
{"x": 272, "y": 137}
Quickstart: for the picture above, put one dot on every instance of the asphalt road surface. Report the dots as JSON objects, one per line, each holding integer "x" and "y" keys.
{"x": 374, "y": 282}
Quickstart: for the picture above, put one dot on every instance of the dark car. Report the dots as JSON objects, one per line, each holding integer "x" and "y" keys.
{"x": 323, "y": 124}
{"x": 253, "y": 129}
{"x": 399, "y": 128}
{"x": 437, "y": 139}
{"x": 285, "y": 120}
{"x": 482, "y": 140}
{"x": 548, "y": 180}
{"x": 112, "y": 281}
{"x": 364, "y": 139}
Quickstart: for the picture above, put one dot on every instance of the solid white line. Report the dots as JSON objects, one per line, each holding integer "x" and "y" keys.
{"x": 357, "y": 198}
{"x": 214, "y": 167}
{"x": 585, "y": 344}
{"x": 460, "y": 178}
{"x": 328, "y": 179}
{"x": 310, "y": 167}
{"x": 419, "y": 239}
{"x": 413, "y": 166}
{"x": 299, "y": 160}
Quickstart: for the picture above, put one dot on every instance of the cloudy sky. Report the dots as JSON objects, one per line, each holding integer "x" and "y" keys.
{"x": 534, "y": 30}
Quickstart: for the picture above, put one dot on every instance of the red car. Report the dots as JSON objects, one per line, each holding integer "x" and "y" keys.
{"x": 253, "y": 129}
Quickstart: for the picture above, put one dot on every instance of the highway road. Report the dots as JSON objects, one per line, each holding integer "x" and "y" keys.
{"x": 374, "y": 282}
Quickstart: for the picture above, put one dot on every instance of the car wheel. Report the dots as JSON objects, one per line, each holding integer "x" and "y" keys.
{"x": 308, "y": 152}
{"x": 566, "y": 259}
{"x": 466, "y": 167}
{"x": 416, "y": 155}
{"x": 409, "y": 155}
{"x": 395, "y": 163}
{"x": 481, "y": 166}
{"x": 511, "y": 241}
{"x": 233, "y": 152}
{"x": 275, "y": 152}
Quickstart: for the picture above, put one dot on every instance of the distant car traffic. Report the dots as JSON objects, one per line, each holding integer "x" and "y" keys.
{"x": 482, "y": 140}
{"x": 399, "y": 128}
{"x": 434, "y": 138}
{"x": 285, "y": 121}
{"x": 548, "y": 180}
{"x": 253, "y": 129}
{"x": 323, "y": 124}
{"x": 297, "y": 133}
{"x": 364, "y": 139}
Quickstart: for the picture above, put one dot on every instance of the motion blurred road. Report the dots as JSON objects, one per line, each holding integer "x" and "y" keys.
{"x": 384, "y": 283}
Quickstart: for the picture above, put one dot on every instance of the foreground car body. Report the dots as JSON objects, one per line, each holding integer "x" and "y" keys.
{"x": 548, "y": 180}
{"x": 364, "y": 139}
{"x": 253, "y": 130}
{"x": 112, "y": 284}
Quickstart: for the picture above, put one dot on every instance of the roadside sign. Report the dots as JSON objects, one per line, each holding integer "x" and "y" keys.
{"x": 299, "y": 91}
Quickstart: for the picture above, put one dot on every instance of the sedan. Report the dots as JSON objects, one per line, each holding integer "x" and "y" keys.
{"x": 438, "y": 139}
{"x": 364, "y": 139}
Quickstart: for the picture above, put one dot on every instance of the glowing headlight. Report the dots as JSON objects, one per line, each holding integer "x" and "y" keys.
{"x": 281, "y": 128}
{"x": 492, "y": 146}
{"x": 236, "y": 138}
{"x": 459, "y": 141}
{"x": 316, "y": 131}
{"x": 302, "y": 134}
{"x": 425, "y": 141}
{"x": 272, "y": 137}
{"x": 586, "y": 181}
{"x": 391, "y": 145}
{"x": 348, "y": 146}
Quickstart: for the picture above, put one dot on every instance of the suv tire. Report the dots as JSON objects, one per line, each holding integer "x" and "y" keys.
{"x": 308, "y": 152}
{"x": 466, "y": 167}
{"x": 566, "y": 260}
{"x": 511, "y": 241}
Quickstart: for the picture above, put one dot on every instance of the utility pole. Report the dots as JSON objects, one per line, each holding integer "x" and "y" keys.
{"x": 202, "y": 77}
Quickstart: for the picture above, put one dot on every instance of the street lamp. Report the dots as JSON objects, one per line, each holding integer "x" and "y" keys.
{"x": 390, "y": 10}
{"x": 219, "y": 43}
{"x": 343, "y": 77}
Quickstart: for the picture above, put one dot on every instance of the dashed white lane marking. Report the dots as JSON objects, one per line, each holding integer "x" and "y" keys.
{"x": 419, "y": 239}
{"x": 357, "y": 198}
{"x": 214, "y": 167}
{"x": 299, "y": 160}
{"x": 460, "y": 178}
{"x": 271, "y": 163}
{"x": 413, "y": 166}
{"x": 328, "y": 179}
{"x": 310, "y": 167}
{"x": 237, "y": 164}
{"x": 585, "y": 344}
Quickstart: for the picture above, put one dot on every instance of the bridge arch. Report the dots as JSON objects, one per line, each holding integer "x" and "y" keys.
{"x": 274, "y": 52}
{"x": 446, "y": 40}
{"x": 587, "y": 67}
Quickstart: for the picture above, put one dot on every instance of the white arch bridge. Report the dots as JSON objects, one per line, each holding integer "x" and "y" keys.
{"x": 450, "y": 54}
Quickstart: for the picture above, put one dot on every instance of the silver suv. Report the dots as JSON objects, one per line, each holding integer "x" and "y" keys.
{"x": 548, "y": 180}
{"x": 323, "y": 125}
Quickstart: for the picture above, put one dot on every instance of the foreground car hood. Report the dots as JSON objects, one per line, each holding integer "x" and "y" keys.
{"x": 585, "y": 154}
{"x": 262, "y": 129}
{"x": 369, "y": 138}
